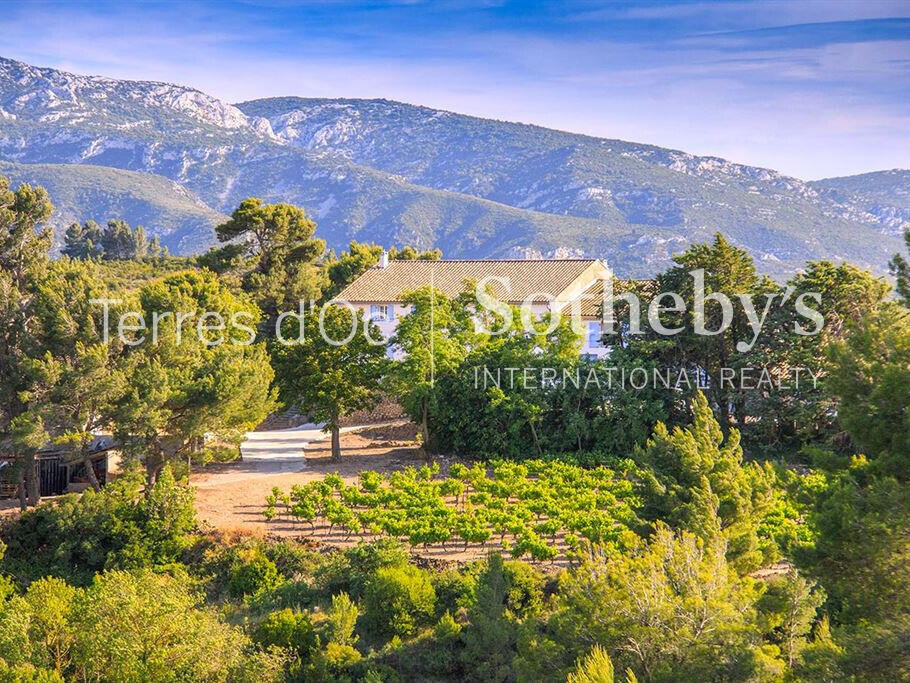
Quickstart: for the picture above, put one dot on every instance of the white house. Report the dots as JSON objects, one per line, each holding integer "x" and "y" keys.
{"x": 563, "y": 285}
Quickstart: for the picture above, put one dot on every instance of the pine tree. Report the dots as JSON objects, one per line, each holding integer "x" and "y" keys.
{"x": 870, "y": 375}
{"x": 696, "y": 480}
{"x": 334, "y": 371}
{"x": 185, "y": 385}
{"x": 83, "y": 241}
{"x": 79, "y": 377}
{"x": 279, "y": 241}
{"x": 24, "y": 256}
{"x": 728, "y": 271}
{"x": 596, "y": 667}
{"x": 155, "y": 249}
{"x": 900, "y": 269}
{"x": 118, "y": 240}
{"x": 140, "y": 243}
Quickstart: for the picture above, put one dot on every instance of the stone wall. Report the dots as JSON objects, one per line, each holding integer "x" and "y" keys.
{"x": 388, "y": 409}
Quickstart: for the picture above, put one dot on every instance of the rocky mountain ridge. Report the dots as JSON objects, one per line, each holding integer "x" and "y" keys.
{"x": 393, "y": 173}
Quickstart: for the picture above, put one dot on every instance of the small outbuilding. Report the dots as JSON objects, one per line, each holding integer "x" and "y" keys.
{"x": 60, "y": 470}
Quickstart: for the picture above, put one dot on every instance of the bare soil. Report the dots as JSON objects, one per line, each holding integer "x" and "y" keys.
{"x": 231, "y": 497}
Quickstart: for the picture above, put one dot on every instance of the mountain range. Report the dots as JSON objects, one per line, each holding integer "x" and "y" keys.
{"x": 178, "y": 160}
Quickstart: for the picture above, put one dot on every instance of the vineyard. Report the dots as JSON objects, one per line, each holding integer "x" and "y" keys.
{"x": 541, "y": 509}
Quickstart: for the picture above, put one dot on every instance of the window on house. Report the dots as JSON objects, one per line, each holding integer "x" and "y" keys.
{"x": 594, "y": 335}
{"x": 382, "y": 312}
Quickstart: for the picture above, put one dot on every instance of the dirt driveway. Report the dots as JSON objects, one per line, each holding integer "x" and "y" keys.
{"x": 231, "y": 497}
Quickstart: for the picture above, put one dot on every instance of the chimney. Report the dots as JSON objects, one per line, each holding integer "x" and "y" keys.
{"x": 384, "y": 259}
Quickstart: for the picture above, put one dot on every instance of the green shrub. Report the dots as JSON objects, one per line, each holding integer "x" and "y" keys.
{"x": 15, "y": 644}
{"x": 596, "y": 667}
{"x": 26, "y": 673}
{"x": 290, "y": 629}
{"x": 226, "y": 572}
{"x": 50, "y": 603}
{"x": 433, "y": 655}
{"x": 349, "y": 571}
{"x": 446, "y": 628}
{"x": 292, "y": 559}
{"x": 398, "y": 600}
{"x": 525, "y": 583}
{"x": 118, "y": 528}
{"x": 340, "y": 620}
{"x": 455, "y": 590}
{"x": 126, "y": 626}
{"x": 252, "y": 573}
{"x": 505, "y": 592}
{"x": 331, "y": 663}
{"x": 152, "y": 627}
{"x": 297, "y": 595}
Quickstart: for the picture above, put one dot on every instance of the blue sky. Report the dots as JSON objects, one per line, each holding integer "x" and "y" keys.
{"x": 814, "y": 88}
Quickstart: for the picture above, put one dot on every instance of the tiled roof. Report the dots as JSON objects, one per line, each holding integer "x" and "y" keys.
{"x": 526, "y": 277}
{"x": 592, "y": 298}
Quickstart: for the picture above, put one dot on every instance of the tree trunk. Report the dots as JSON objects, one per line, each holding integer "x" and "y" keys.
{"x": 424, "y": 427}
{"x": 536, "y": 440}
{"x": 90, "y": 473}
{"x": 336, "y": 443}
{"x": 32, "y": 484}
{"x": 151, "y": 477}
{"x": 89, "y": 470}
{"x": 153, "y": 465}
{"x": 425, "y": 433}
{"x": 23, "y": 499}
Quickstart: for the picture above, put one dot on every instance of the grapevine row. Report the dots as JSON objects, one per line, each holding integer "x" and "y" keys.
{"x": 532, "y": 508}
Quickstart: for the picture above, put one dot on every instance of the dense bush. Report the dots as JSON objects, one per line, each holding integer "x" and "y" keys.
{"x": 695, "y": 479}
{"x": 349, "y": 570}
{"x": 26, "y": 673}
{"x": 597, "y": 667}
{"x": 337, "y": 624}
{"x": 507, "y": 593}
{"x": 455, "y": 590}
{"x": 125, "y": 626}
{"x": 119, "y": 527}
{"x": 673, "y": 611}
{"x": 292, "y": 559}
{"x": 289, "y": 629}
{"x": 398, "y": 600}
{"x": 331, "y": 663}
{"x": 252, "y": 573}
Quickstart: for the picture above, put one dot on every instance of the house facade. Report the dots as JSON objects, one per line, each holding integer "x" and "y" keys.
{"x": 569, "y": 286}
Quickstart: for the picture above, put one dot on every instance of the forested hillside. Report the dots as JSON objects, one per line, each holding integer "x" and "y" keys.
{"x": 182, "y": 223}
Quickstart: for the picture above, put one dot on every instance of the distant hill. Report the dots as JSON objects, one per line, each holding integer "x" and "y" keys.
{"x": 883, "y": 194}
{"x": 395, "y": 173}
{"x": 81, "y": 192}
